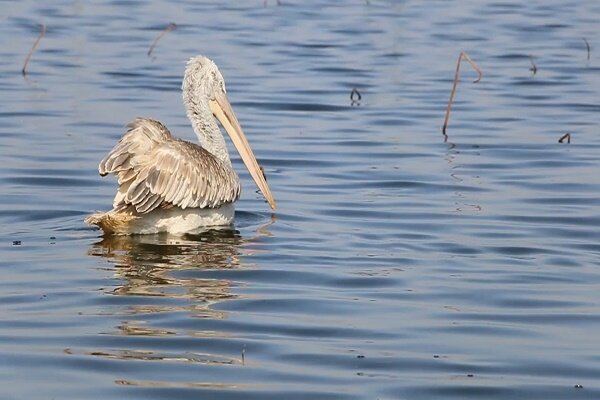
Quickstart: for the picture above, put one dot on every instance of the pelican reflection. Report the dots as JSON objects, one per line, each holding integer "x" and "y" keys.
{"x": 179, "y": 268}
{"x": 169, "y": 285}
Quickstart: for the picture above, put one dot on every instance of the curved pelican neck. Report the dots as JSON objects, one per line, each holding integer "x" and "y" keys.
{"x": 203, "y": 122}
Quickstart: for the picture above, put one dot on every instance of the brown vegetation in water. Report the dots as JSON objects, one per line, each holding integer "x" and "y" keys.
{"x": 565, "y": 136}
{"x": 169, "y": 28}
{"x": 462, "y": 56}
{"x": 35, "y": 45}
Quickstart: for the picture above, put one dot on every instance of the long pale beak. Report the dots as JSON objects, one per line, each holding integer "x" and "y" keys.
{"x": 221, "y": 109}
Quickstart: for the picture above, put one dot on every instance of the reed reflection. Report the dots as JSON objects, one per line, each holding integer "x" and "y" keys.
{"x": 463, "y": 200}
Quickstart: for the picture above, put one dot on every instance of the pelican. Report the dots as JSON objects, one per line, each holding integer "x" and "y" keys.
{"x": 170, "y": 185}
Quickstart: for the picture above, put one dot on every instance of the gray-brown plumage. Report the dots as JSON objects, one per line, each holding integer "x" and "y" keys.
{"x": 156, "y": 170}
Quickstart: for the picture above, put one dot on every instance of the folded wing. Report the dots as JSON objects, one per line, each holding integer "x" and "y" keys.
{"x": 156, "y": 170}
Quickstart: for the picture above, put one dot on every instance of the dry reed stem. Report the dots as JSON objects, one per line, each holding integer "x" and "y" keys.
{"x": 168, "y": 29}
{"x": 461, "y": 56}
{"x": 35, "y": 45}
{"x": 533, "y": 66}
{"x": 587, "y": 45}
{"x": 565, "y": 136}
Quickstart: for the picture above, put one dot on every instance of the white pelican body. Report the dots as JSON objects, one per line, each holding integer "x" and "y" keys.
{"x": 170, "y": 185}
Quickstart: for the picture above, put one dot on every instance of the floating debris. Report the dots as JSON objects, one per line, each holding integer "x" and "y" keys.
{"x": 355, "y": 97}
{"x": 462, "y": 56}
{"x": 35, "y": 45}
{"x": 168, "y": 29}
{"x": 565, "y": 136}
{"x": 533, "y": 66}
{"x": 587, "y": 45}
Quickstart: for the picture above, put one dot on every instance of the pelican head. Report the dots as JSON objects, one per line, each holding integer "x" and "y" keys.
{"x": 204, "y": 93}
{"x": 202, "y": 78}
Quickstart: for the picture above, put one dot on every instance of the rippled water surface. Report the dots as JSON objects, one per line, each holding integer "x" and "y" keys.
{"x": 397, "y": 265}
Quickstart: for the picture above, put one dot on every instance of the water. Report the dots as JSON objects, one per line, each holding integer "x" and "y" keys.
{"x": 396, "y": 266}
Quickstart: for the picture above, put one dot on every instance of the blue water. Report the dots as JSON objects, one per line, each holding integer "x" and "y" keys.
{"x": 398, "y": 265}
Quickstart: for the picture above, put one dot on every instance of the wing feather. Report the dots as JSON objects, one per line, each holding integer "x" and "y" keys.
{"x": 126, "y": 176}
{"x": 155, "y": 170}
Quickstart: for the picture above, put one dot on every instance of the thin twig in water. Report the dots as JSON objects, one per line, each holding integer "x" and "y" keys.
{"x": 533, "y": 66}
{"x": 461, "y": 56}
{"x": 168, "y": 29}
{"x": 565, "y": 136}
{"x": 587, "y": 45}
{"x": 41, "y": 35}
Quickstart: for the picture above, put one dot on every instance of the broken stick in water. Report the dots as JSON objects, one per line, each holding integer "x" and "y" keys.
{"x": 461, "y": 56}
{"x": 168, "y": 29}
{"x": 41, "y": 35}
{"x": 533, "y": 66}
{"x": 587, "y": 45}
{"x": 565, "y": 136}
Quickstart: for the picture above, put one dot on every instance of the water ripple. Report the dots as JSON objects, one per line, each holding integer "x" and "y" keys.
{"x": 399, "y": 263}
